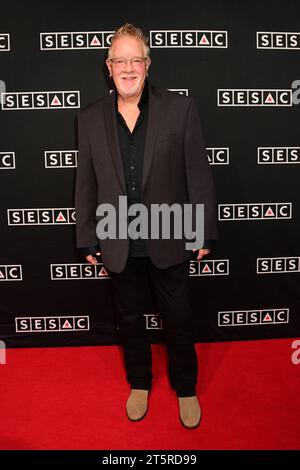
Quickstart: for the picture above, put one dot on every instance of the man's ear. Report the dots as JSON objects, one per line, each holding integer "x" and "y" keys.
{"x": 148, "y": 65}
{"x": 109, "y": 67}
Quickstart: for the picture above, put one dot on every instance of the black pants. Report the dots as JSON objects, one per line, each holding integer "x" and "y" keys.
{"x": 171, "y": 288}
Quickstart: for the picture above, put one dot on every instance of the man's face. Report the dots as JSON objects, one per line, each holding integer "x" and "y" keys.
{"x": 129, "y": 78}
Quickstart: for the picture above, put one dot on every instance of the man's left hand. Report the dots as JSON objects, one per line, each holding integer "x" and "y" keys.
{"x": 202, "y": 252}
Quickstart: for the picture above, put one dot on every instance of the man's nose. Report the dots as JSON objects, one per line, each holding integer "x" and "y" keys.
{"x": 128, "y": 65}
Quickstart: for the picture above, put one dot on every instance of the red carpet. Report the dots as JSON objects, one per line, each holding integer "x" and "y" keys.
{"x": 74, "y": 398}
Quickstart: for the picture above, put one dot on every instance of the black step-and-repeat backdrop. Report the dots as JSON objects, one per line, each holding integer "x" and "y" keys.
{"x": 241, "y": 60}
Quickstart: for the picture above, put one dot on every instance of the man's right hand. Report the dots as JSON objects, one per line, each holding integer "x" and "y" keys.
{"x": 92, "y": 259}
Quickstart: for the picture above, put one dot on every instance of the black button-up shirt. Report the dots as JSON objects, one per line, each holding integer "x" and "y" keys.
{"x": 132, "y": 145}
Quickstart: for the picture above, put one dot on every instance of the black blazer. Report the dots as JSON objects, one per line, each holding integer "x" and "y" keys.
{"x": 175, "y": 170}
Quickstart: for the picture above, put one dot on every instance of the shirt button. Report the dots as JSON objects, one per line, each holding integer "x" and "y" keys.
{"x": 133, "y": 188}
{"x": 132, "y": 167}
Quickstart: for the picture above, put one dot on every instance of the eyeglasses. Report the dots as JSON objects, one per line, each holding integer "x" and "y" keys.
{"x": 122, "y": 62}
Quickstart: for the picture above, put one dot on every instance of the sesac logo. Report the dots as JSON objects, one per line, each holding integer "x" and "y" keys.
{"x": 61, "y": 158}
{"x": 218, "y": 155}
{"x": 11, "y": 272}
{"x": 74, "y": 271}
{"x": 4, "y": 42}
{"x": 272, "y": 40}
{"x": 272, "y": 155}
{"x": 23, "y": 100}
{"x": 253, "y": 317}
{"x": 55, "y": 216}
{"x": 51, "y": 324}
{"x": 255, "y": 211}
{"x": 153, "y": 322}
{"x": 7, "y": 161}
{"x": 75, "y": 40}
{"x": 216, "y": 267}
{"x": 254, "y": 97}
{"x": 187, "y": 38}
{"x": 278, "y": 265}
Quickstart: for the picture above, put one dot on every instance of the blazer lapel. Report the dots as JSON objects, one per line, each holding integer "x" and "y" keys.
{"x": 113, "y": 138}
{"x": 153, "y": 123}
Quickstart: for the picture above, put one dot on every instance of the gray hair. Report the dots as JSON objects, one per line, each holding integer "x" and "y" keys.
{"x": 129, "y": 29}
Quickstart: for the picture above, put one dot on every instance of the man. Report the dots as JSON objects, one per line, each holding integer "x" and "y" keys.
{"x": 147, "y": 144}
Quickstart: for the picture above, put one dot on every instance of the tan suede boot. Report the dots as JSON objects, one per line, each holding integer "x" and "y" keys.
{"x": 189, "y": 412}
{"x": 137, "y": 404}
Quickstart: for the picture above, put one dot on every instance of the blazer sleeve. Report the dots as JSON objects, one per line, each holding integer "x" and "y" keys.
{"x": 199, "y": 178}
{"x": 85, "y": 190}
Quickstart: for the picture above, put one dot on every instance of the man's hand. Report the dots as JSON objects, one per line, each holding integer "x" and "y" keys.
{"x": 202, "y": 252}
{"x": 92, "y": 259}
